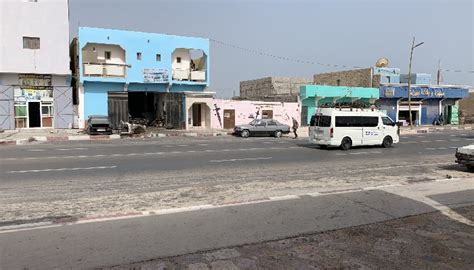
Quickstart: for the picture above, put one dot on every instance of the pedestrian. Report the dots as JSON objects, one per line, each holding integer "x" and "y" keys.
{"x": 295, "y": 127}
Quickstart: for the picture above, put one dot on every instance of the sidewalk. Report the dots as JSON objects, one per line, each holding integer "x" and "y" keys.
{"x": 430, "y": 129}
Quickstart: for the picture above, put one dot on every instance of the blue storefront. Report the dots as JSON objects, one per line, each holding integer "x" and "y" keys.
{"x": 428, "y": 102}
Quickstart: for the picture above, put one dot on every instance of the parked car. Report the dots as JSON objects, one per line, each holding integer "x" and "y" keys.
{"x": 98, "y": 124}
{"x": 267, "y": 127}
{"x": 465, "y": 156}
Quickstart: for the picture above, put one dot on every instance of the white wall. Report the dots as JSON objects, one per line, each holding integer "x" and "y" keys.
{"x": 46, "y": 19}
{"x": 185, "y": 59}
{"x": 89, "y": 56}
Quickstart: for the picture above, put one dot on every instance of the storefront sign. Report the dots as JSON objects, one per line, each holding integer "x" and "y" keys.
{"x": 390, "y": 92}
{"x": 36, "y": 81}
{"x": 386, "y": 71}
{"x": 155, "y": 75}
{"x": 26, "y": 94}
{"x": 427, "y": 93}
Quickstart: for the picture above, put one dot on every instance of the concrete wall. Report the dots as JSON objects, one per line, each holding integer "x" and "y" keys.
{"x": 89, "y": 56}
{"x": 355, "y": 78}
{"x": 246, "y": 111}
{"x": 467, "y": 106}
{"x": 46, "y": 19}
{"x": 148, "y": 44}
{"x": 272, "y": 89}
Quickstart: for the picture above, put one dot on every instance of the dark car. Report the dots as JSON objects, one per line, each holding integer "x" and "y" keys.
{"x": 98, "y": 124}
{"x": 267, "y": 127}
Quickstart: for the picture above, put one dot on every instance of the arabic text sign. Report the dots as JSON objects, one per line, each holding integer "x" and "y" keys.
{"x": 155, "y": 75}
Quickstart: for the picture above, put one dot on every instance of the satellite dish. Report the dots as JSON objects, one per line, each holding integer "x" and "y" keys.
{"x": 382, "y": 62}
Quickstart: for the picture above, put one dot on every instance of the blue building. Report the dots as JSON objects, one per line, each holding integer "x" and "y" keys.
{"x": 141, "y": 75}
{"x": 428, "y": 101}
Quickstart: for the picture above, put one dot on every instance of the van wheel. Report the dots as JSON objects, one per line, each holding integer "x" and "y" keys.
{"x": 245, "y": 133}
{"x": 387, "y": 142}
{"x": 346, "y": 143}
{"x": 323, "y": 147}
{"x": 277, "y": 134}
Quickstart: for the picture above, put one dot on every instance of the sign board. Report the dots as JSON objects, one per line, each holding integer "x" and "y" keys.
{"x": 153, "y": 75}
{"x": 36, "y": 81}
{"x": 26, "y": 94}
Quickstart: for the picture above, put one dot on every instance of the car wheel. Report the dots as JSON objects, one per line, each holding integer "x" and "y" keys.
{"x": 470, "y": 167}
{"x": 346, "y": 143}
{"x": 323, "y": 147}
{"x": 277, "y": 134}
{"x": 387, "y": 142}
{"x": 245, "y": 133}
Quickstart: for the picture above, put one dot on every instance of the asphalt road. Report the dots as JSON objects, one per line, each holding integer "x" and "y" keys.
{"x": 72, "y": 180}
{"x": 123, "y": 241}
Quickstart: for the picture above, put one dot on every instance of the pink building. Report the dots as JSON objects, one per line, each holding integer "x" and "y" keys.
{"x": 226, "y": 114}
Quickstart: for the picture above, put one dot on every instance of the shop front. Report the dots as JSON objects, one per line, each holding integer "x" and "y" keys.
{"x": 429, "y": 104}
{"x": 315, "y": 96}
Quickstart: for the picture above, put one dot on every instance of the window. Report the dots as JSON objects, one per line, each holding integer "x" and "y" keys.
{"x": 178, "y": 59}
{"x": 158, "y": 57}
{"x": 20, "y": 116}
{"x": 31, "y": 43}
{"x": 271, "y": 123}
{"x": 321, "y": 121}
{"x": 47, "y": 109}
{"x": 108, "y": 55}
{"x": 260, "y": 123}
{"x": 387, "y": 121}
{"x": 356, "y": 121}
{"x": 139, "y": 56}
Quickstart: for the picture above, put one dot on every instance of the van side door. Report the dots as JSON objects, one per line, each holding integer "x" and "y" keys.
{"x": 371, "y": 132}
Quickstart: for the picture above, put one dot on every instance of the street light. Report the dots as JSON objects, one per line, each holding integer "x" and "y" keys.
{"x": 413, "y": 46}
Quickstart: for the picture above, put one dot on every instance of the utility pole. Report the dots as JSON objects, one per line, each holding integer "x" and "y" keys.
{"x": 439, "y": 75}
{"x": 413, "y": 46}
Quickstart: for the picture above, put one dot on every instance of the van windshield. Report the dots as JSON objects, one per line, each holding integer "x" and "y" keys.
{"x": 321, "y": 121}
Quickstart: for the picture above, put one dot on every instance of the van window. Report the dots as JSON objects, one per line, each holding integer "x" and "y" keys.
{"x": 321, "y": 121}
{"x": 356, "y": 121}
{"x": 387, "y": 121}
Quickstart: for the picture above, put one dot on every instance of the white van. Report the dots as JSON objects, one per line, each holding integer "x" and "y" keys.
{"x": 352, "y": 127}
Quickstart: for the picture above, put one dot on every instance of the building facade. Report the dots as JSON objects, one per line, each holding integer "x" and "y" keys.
{"x": 126, "y": 74}
{"x": 35, "y": 78}
{"x": 227, "y": 114}
{"x": 280, "y": 89}
{"x": 428, "y": 102}
{"x": 314, "y": 96}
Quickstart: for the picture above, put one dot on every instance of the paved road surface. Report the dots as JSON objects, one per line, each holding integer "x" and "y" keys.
{"x": 74, "y": 180}
{"x": 128, "y": 240}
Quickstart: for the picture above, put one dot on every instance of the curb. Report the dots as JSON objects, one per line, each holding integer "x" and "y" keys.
{"x": 58, "y": 139}
{"x": 432, "y": 129}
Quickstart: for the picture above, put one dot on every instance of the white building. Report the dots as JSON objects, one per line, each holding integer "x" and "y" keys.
{"x": 34, "y": 64}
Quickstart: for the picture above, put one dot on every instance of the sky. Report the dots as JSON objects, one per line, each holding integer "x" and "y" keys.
{"x": 334, "y": 32}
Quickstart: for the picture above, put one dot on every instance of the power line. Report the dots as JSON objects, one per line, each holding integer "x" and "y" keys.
{"x": 308, "y": 62}
{"x": 281, "y": 57}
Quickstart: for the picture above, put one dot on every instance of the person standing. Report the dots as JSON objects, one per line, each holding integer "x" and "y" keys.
{"x": 295, "y": 127}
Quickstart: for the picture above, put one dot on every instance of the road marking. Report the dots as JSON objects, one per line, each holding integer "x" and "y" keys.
{"x": 182, "y": 145}
{"x": 408, "y": 142}
{"x": 359, "y": 153}
{"x": 455, "y": 140}
{"x": 425, "y": 141}
{"x": 442, "y": 148}
{"x": 239, "y": 159}
{"x": 203, "y": 144}
{"x": 341, "y": 154}
{"x": 36, "y": 150}
{"x": 70, "y": 149}
{"x": 65, "y": 169}
{"x": 440, "y": 140}
{"x": 430, "y": 149}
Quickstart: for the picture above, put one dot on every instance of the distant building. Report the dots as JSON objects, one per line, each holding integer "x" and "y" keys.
{"x": 142, "y": 75}
{"x": 35, "y": 79}
{"x": 428, "y": 101}
{"x": 272, "y": 89}
{"x": 315, "y": 96}
{"x": 466, "y": 106}
{"x": 229, "y": 113}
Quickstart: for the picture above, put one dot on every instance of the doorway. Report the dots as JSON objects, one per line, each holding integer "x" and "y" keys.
{"x": 267, "y": 114}
{"x": 197, "y": 119}
{"x": 229, "y": 119}
{"x": 34, "y": 114}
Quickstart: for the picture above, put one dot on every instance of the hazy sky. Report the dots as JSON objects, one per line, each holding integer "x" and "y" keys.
{"x": 342, "y": 32}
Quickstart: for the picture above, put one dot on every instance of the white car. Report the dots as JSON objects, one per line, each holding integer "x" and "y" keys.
{"x": 352, "y": 127}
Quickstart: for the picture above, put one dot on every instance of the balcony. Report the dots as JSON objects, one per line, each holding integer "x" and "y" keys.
{"x": 188, "y": 75}
{"x": 105, "y": 70}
